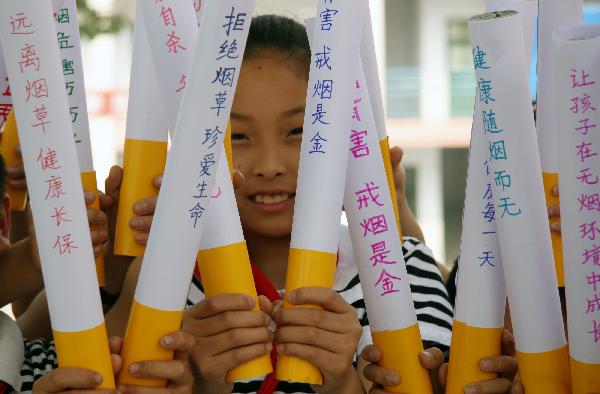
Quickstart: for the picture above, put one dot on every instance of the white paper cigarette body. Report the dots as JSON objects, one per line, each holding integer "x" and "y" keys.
{"x": 187, "y": 185}
{"x": 377, "y": 246}
{"x": 53, "y": 180}
{"x": 69, "y": 45}
{"x": 145, "y": 151}
{"x": 481, "y": 295}
{"x": 577, "y": 94}
{"x": 553, "y": 15}
{"x": 521, "y": 220}
{"x": 323, "y": 159}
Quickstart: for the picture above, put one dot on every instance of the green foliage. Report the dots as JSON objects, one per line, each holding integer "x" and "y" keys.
{"x": 93, "y": 23}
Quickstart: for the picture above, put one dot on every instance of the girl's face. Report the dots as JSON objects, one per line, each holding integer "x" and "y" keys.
{"x": 266, "y": 119}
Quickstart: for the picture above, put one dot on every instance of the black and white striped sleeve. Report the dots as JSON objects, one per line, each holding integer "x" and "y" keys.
{"x": 40, "y": 359}
{"x": 433, "y": 308}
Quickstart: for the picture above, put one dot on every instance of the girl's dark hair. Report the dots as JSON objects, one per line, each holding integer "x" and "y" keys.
{"x": 280, "y": 35}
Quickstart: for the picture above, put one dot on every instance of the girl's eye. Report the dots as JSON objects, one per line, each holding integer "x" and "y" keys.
{"x": 296, "y": 131}
{"x": 238, "y": 137}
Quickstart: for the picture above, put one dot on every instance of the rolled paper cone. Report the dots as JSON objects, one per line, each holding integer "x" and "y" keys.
{"x": 522, "y": 225}
{"x": 69, "y": 42}
{"x": 576, "y": 63}
{"x": 224, "y": 263}
{"x": 188, "y": 183}
{"x": 323, "y": 160}
{"x": 371, "y": 69}
{"x": 380, "y": 260}
{"x": 88, "y": 180}
{"x": 8, "y": 146}
{"x": 53, "y": 180}
{"x": 145, "y": 151}
{"x": 552, "y": 16}
{"x": 481, "y": 296}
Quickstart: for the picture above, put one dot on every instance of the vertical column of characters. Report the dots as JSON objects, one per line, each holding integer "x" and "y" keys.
{"x": 69, "y": 45}
{"x": 188, "y": 182}
{"x": 323, "y": 160}
{"x": 480, "y": 291}
{"x": 577, "y": 93}
{"x": 172, "y": 28}
{"x": 223, "y": 259}
{"x": 553, "y": 15}
{"x": 9, "y": 140}
{"x": 378, "y": 250}
{"x": 50, "y": 158}
{"x": 145, "y": 150}
{"x": 521, "y": 218}
{"x": 371, "y": 69}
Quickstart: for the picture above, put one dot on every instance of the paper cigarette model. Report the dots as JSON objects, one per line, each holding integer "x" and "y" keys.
{"x": 223, "y": 259}
{"x": 577, "y": 92}
{"x": 553, "y": 15}
{"x": 145, "y": 153}
{"x": 188, "y": 183}
{"x": 376, "y": 243}
{"x": 480, "y": 299}
{"x": 323, "y": 160}
{"x": 8, "y": 147}
{"x": 521, "y": 222}
{"x": 371, "y": 69}
{"x": 69, "y": 45}
{"x": 53, "y": 180}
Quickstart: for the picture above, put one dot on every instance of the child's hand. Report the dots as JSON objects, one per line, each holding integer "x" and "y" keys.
{"x": 326, "y": 338}
{"x": 15, "y": 175}
{"x": 97, "y": 221}
{"x": 504, "y": 365}
{"x": 144, "y": 209}
{"x": 177, "y": 372}
{"x": 73, "y": 380}
{"x": 228, "y": 333}
{"x": 554, "y": 212}
{"x": 431, "y": 359}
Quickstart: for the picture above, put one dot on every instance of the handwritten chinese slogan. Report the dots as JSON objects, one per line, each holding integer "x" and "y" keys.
{"x": 371, "y": 219}
{"x": 38, "y": 87}
{"x": 515, "y": 199}
{"x": 171, "y": 27}
{"x": 578, "y": 94}
{"x": 330, "y": 96}
{"x": 189, "y": 178}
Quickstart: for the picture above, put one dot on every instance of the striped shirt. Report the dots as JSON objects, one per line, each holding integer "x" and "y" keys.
{"x": 40, "y": 358}
{"x": 433, "y": 309}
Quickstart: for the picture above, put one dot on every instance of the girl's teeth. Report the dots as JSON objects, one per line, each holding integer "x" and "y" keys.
{"x": 271, "y": 199}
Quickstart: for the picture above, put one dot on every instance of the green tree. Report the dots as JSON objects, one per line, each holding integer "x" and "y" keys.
{"x": 93, "y": 23}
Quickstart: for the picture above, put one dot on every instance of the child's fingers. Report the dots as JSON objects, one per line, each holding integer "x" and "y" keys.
{"x": 181, "y": 342}
{"x": 157, "y": 181}
{"x": 508, "y": 344}
{"x": 443, "y": 375}
{"x": 494, "y": 386}
{"x": 499, "y": 364}
{"x": 326, "y": 361}
{"x": 106, "y": 201}
{"x": 171, "y": 370}
{"x": 556, "y": 227}
{"x": 141, "y": 223}
{"x": 396, "y": 154}
{"x": 99, "y": 236}
{"x": 238, "y": 337}
{"x": 96, "y": 217}
{"x": 62, "y": 379}
{"x": 432, "y": 358}
{"x": 381, "y": 376}
{"x": 329, "y": 299}
{"x": 115, "y": 344}
{"x": 142, "y": 238}
{"x": 212, "y": 306}
{"x": 14, "y": 172}
{"x": 112, "y": 184}
{"x": 309, "y": 335}
{"x": 17, "y": 184}
{"x": 218, "y": 366}
{"x": 308, "y": 317}
{"x": 371, "y": 354}
{"x": 88, "y": 197}
{"x": 265, "y": 304}
{"x": 555, "y": 190}
{"x": 554, "y": 211}
{"x": 146, "y": 206}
